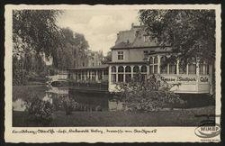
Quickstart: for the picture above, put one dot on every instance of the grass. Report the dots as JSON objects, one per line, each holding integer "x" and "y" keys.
{"x": 119, "y": 118}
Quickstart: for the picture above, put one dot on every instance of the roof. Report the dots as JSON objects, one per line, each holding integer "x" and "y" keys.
{"x": 99, "y": 67}
{"x": 134, "y": 38}
{"x": 139, "y": 62}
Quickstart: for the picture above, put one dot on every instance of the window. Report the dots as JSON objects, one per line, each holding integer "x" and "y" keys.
{"x": 144, "y": 69}
{"x": 192, "y": 66}
{"x": 120, "y": 77}
{"x": 168, "y": 65}
{"x": 182, "y": 68}
{"x": 143, "y": 72}
{"x": 79, "y": 76}
{"x": 127, "y": 74}
{"x": 99, "y": 75}
{"x": 155, "y": 60}
{"x": 172, "y": 69}
{"x": 74, "y": 76}
{"x": 163, "y": 67}
{"x": 113, "y": 69}
{"x": 93, "y": 76}
{"x": 136, "y": 69}
{"x": 155, "y": 69}
{"x": 120, "y": 73}
{"x": 84, "y": 75}
{"x": 203, "y": 68}
{"x": 120, "y": 55}
{"x": 145, "y": 52}
{"x": 128, "y": 78}
{"x": 89, "y": 75}
{"x": 128, "y": 69}
{"x": 151, "y": 69}
{"x": 151, "y": 60}
{"x": 70, "y": 76}
{"x": 113, "y": 78}
{"x": 135, "y": 72}
{"x": 113, "y": 75}
{"x": 120, "y": 69}
{"x": 153, "y": 65}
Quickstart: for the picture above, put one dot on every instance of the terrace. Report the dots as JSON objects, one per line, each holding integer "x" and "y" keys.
{"x": 93, "y": 78}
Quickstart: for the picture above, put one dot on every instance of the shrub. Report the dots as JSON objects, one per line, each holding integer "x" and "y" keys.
{"x": 40, "y": 112}
{"x": 146, "y": 94}
{"x": 69, "y": 104}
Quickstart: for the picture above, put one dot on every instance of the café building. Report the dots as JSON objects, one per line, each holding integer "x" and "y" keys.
{"x": 137, "y": 52}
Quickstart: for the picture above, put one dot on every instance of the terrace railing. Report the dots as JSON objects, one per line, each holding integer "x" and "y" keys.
{"x": 89, "y": 86}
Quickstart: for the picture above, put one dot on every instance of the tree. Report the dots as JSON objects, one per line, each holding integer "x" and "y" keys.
{"x": 107, "y": 58}
{"x": 36, "y": 29}
{"x": 72, "y": 52}
{"x": 63, "y": 55}
{"x": 81, "y": 50}
{"x": 34, "y": 33}
{"x": 19, "y": 73}
{"x": 191, "y": 33}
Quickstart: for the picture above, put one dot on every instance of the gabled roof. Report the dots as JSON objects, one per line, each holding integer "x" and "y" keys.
{"x": 135, "y": 38}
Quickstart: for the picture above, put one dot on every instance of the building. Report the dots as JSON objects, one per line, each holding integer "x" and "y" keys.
{"x": 93, "y": 78}
{"x": 95, "y": 58}
{"x": 92, "y": 75}
{"x": 136, "y": 52}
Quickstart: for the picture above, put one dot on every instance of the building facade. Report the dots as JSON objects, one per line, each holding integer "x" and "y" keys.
{"x": 137, "y": 52}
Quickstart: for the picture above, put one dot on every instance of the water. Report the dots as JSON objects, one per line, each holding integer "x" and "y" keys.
{"x": 19, "y": 105}
{"x": 61, "y": 97}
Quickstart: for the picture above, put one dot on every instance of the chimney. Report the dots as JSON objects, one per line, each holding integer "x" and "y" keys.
{"x": 132, "y": 25}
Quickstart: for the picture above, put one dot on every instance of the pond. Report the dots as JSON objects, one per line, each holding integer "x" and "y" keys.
{"x": 59, "y": 96}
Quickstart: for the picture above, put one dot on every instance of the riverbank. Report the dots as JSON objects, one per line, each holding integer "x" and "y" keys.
{"x": 187, "y": 117}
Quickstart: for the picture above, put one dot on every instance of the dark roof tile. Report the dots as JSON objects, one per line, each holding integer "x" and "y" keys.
{"x": 134, "y": 38}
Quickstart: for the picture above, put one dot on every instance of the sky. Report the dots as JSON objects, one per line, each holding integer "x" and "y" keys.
{"x": 100, "y": 27}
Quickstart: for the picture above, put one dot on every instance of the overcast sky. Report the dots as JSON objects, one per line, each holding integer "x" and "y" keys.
{"x": 100, "y": 27}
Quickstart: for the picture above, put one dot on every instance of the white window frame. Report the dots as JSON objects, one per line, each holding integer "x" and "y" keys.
{"x": 120, "y": 54}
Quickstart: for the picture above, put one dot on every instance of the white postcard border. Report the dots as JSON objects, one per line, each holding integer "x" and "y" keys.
{"x": 162, "y": 134}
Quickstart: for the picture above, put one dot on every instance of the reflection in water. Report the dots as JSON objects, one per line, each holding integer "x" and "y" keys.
{"x": 48, "y": 97}
{"x": 62, "y": 98}
{"x": 19, "y": 105}
{"x": 115, "y": 105}
{"x": 91, "y": 101}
